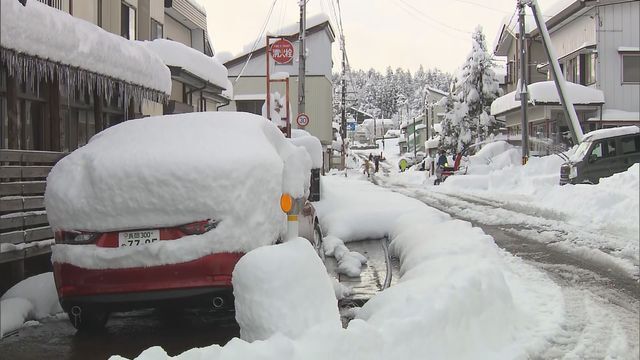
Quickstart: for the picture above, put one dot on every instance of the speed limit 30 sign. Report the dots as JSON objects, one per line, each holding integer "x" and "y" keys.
{"x": 302, "y": 119}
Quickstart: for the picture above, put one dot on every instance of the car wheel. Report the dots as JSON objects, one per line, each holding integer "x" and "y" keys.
{"x": 317, "y": 240}
{"x": 88, "y": 320}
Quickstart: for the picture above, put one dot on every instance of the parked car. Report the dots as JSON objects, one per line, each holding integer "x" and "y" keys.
{"x": 157, "y": 211}
{"x": 602, "y": 153}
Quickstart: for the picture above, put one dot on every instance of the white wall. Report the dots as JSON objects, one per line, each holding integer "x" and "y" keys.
{"x": 177, "y": 32}
{"x": 574, "y": 35}
{"x": 620, "y": 27}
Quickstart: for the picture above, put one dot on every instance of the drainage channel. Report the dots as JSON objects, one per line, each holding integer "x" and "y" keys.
{"x": 380, "y": 272}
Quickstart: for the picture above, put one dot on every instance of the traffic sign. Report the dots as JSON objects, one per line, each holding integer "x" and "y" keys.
{"x": 302, "y": 119}
{"x": 282, "y": 51}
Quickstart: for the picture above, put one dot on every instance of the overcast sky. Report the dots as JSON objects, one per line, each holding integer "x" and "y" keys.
{"x": 379, "y": 33}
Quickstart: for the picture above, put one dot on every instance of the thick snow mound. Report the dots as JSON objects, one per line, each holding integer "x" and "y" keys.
{"x": 283, "y": 289}
{"x": 39, "y": 290}
{"x": 171, "y": 170}
{"x": 31, "y": 299}
{"x": 35, "y": 30}
{"x": 310, "y": 143}
{"x": 13, "y": 313}
{"x": 356, "y": 213}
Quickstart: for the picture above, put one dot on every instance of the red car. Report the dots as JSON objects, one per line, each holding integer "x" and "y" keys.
{"x": 88, "y": 295}
{"x": 129, "y": 230}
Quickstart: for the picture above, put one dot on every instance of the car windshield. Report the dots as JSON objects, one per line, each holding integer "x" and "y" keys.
{"x": 580, "y": 152}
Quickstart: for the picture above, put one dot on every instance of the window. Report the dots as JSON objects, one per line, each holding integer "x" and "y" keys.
{"x": 631, "y": 68}
{"x": 573, "y": 70}
{"x": 511, "y": 72}
{"x": 605, "y": 148}
{"x": 156, "y": 30}
{"x": 590, "y": 68}
{"x": 127, "y": 22}
{"x": 250, "y": 106}
{"x": 630, "y": 144}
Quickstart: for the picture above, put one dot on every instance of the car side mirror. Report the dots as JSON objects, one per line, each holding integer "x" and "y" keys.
{"x": 593, "y": 158}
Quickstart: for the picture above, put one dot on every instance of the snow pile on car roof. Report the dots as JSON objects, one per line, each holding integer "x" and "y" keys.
{"x": 170, "y": 170}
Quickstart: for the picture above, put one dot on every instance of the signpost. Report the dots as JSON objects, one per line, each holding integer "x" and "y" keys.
{"x": 282, "y": 51}
{"x": 302, "y": 119}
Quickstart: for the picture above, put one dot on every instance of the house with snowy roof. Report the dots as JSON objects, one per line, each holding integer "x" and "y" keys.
{"x": 418, "y": 130}
{"x": 247, "y": 72}
{"x": 57, "y": 91}
{"x": 598, "y": 47}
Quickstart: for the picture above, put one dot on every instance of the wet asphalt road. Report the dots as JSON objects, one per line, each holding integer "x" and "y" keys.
{"x": 126, "y": 334}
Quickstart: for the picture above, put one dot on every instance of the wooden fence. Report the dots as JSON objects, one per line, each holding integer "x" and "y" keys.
{"x": 24, "y": 228}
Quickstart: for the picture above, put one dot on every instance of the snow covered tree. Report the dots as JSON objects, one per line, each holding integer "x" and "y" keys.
{"x": 469, "y": 120}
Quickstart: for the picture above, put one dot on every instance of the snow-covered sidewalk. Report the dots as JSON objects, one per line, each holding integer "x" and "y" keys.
{"x": 597, "y": 222}
{"x": 459, "y": 296}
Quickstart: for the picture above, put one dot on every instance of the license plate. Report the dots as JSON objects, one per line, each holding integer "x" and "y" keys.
{"x": 137, "y": 238}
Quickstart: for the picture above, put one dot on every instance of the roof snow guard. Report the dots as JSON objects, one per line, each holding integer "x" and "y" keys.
{"x": 40, "y": 42}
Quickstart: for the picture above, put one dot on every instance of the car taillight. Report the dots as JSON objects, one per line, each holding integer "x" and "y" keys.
{"x": 199, "y": 227}
{"x": 76, "y": 237}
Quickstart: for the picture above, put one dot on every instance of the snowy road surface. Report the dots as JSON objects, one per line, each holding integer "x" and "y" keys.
{"x": 601, "y": 295}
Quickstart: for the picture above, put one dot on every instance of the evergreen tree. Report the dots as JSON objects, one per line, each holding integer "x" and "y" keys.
{"x": 469, "y": 120}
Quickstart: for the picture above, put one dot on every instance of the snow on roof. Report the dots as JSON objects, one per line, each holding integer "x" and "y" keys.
{"x": 617, "y": 115}
{"x": 42, "y": 31}
{"x": 183, "y": 171}
{"x": 289, "y": 30}
{"x": 432, "y": 143}
{"x": 294, "y": 28}
{"x": 611, "y": 132}
{"x": 545, "y": 92}
{"x": 177, "y": 54}
{"x": 437, "y": 91}
{"x": 421, "y": 126}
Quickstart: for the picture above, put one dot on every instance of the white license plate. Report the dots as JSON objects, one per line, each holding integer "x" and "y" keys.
{"x": 137, "y": 238}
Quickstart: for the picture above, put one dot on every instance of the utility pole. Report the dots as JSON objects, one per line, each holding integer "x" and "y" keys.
{"x": 302, "y": 56}
{"x": 343, "y": 125}
{"x": 558, "y": 77}
{"x": 522, "y": 91}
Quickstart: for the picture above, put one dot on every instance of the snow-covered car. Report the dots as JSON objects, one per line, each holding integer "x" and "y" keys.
{"x": 159, "y": 210}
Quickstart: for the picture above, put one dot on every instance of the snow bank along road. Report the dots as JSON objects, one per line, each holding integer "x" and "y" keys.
{"x": 602, "y": 296}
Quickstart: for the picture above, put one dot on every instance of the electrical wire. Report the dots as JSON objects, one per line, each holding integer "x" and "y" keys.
{"x": 432, "y": 19}
{"x": 258, "y": 39}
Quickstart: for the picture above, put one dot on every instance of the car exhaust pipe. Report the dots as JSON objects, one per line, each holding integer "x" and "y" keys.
{"x": 218, "y": 302}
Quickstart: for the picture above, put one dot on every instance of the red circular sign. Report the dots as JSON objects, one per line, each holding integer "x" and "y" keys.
{"x": 302, "y": 119}
{"x": 282, "y": 51}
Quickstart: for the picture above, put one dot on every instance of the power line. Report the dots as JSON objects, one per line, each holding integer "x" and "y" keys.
{"x": 258, "y": 39}
{"x": 433, "y": 19}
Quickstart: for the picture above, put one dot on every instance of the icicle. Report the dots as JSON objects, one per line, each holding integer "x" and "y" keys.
{"x": 30, "y": 70}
